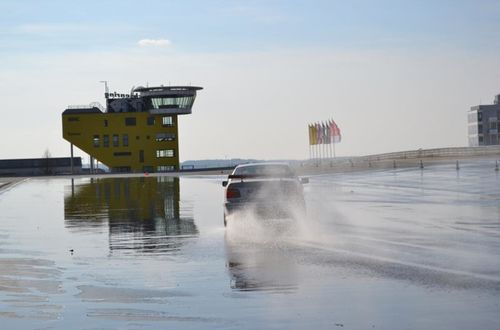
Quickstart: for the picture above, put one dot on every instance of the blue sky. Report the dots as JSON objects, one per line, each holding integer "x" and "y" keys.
{"x": 220, "y": 26}
{"x": 395, "y": 75}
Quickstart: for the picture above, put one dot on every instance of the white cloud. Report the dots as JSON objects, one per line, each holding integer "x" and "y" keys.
{"x": 154, "y": 42}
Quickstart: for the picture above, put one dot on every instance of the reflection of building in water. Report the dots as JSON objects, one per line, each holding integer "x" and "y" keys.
{"x": 141, "y": 213}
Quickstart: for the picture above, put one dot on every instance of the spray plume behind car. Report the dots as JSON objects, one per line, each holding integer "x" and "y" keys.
{"x": 267, "y": 190}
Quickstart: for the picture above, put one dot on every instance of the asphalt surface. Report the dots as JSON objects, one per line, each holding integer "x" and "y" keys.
{"x": 384, "y": 249}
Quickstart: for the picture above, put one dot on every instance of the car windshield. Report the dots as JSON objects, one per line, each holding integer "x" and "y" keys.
{"x": 265, "y": 170}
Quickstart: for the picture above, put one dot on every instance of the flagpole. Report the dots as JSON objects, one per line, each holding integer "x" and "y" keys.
{"x": 330, "y": 148}
{"x": 319, "y": 153}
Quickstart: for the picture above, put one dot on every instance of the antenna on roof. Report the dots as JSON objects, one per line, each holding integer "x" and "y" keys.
{"x": 106, "y": 89}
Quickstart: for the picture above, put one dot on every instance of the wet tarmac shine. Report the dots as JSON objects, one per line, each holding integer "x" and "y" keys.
{"x": 389, "y": 249}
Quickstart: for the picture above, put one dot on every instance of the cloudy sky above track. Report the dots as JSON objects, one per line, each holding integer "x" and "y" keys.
{"x": 395, "y": 75}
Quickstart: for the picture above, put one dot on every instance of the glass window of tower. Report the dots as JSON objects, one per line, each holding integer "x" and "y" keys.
{"x": 165, "y": 153}
{"x": 96, "y": 141}
{"x": 130, "y": 121}
{"x": 172, "y": 102}
{"x": 125, "y": 140}
{"x": 161, "y": 137}
{"x": 115, "y": 140}
{"x": 167, "y": 121}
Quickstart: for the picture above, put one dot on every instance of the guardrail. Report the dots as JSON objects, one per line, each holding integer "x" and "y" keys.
{"x": 410, "y": 158}
{"x": 438, "y": 152}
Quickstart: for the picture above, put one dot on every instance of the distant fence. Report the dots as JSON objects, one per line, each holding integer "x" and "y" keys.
{"x": 411, "y": 158}
{"x": 438, "y": 152}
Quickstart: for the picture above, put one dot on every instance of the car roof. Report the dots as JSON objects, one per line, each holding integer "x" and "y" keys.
{"x": 260, "y": 170}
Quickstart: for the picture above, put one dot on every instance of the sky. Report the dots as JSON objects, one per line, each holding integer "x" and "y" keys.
{"x": 394, "y": 75}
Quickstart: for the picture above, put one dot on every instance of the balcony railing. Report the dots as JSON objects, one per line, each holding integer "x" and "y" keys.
{"x": 87, "y": 106}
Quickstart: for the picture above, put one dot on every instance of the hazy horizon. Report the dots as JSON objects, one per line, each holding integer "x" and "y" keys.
{"x": 393, "y": 75}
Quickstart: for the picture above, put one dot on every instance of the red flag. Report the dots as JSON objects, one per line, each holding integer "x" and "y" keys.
{"x": 335, "y": 131}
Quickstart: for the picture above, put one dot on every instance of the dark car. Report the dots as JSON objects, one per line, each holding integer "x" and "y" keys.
{"x": 269, "y": 190}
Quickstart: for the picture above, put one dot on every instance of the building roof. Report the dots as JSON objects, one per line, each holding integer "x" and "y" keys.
{"x": 73, "y": 111}
{"x": 142, "y": 89}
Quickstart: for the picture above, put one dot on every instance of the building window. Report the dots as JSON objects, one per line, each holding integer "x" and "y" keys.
{"x": 165, "y": 153}
{"x": 122, "y": 153}
{"x": 125, "y": 140}
{"x": 115, "y": 140}
{"x": 105, "y": 123}
{"x": 480, "y": 128}
{"x": 105, "y": 141}
{"x": 151, "y": 121}
{"x": 95, "y": 141}
{"x": 120, "y": 169}
{"x": 161, "y": 137}
{"x": 141, "y": 156}
{"x": 73, "y": 119}
{"x": 165, "y": 168}
{"x": 479, "y": 116}
{"x": 149, "y": 169}
{"x": 130, "y": 121}
{"x": 481, "y": 139}
{"x": 167, "y": 121}
{"x": 172, "y": 102}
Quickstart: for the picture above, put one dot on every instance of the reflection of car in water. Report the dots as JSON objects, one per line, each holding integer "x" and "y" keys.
{"x": 257, "y": 266}
{"x": 269, "y": 190}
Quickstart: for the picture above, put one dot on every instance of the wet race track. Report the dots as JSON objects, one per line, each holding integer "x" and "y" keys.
{"x": 393, "y": 249}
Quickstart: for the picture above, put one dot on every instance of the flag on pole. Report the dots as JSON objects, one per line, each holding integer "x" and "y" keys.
{"x": 319, "y": 134}
{"x": 327, "y": 133}
{"x": 335, "y": 132}
{"x": 312, "y": 137}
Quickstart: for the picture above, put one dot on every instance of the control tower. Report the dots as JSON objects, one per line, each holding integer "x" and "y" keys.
{"x": 135, "y": 132}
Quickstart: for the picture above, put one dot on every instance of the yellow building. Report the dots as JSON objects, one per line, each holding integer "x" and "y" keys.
{"x": 136, "y": 132}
